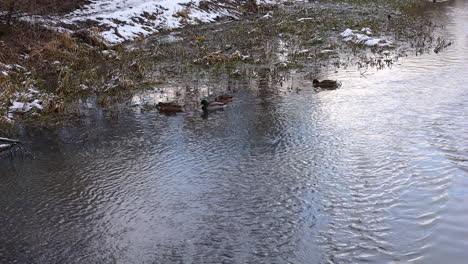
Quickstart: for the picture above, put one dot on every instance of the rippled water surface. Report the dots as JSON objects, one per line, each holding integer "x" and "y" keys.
{"x": 376, "y": 171}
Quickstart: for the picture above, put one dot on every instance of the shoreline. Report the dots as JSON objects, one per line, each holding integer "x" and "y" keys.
{"x": 309, "y": 37}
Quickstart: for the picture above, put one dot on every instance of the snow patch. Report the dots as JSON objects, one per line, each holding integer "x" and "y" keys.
{"x": 327, "y": 51}
{"x": 267, "y": 16}
{"x": 122, "y": 20}
{"x": 23, "y": 107}
{"x": 29, "y": 100}
{"x": 363, "y": 37}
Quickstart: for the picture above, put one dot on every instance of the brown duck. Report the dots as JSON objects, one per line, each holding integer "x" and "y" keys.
{"x": 169, "y": 107}
{"x": 224, "y": 98}
{"x": 326, "y": 84}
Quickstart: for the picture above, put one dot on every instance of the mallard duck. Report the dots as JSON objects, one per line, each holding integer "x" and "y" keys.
{"x": 169, "y": 107}
{"x": 326, "y": 84}
{"x": 224, "y": 98}
{"x": 211, "y": 106}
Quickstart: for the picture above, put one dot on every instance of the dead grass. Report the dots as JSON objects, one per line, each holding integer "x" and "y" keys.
{"x": 42, "y": 7}
{"x": 85, "y": 65}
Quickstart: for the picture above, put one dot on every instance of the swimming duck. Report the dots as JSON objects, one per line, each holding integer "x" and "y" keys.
{"x": 169, "y": 107}
{"x": 325, "y": 84}
{"x": 211, "y": 106}
{"x": 224, "y": 98}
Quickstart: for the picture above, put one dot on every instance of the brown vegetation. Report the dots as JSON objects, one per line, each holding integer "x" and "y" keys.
{"x": 39, "y": 7}
{"x": 67, "y": 66}
{"x": 22, "y": 40}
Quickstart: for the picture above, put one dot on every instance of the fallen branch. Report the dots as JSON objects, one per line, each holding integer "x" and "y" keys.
{"x": 9, "y": 140}
{"x": 4, "y": 147}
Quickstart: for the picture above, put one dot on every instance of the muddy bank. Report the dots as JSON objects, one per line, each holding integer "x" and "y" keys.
{"x": 195, "y": 62}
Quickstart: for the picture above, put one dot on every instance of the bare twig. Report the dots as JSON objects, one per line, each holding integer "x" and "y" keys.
{"x": 9, "y": 140}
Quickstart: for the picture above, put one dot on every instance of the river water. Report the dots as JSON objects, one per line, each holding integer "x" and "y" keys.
{"x": 376, "y": 171}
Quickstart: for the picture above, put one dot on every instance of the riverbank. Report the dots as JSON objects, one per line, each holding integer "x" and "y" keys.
{"x": 47, "y": 74}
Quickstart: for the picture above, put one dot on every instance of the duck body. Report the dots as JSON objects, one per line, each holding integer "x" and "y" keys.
{"x": 224, "y": 98}
{"x": 170, "y": 107}
{"x": 212, "y": 106}
{"x": 326, "y": 84}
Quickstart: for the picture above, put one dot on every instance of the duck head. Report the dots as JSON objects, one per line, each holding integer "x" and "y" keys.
{"x": 315, "y": 82}
{"x": 205, "y": 102}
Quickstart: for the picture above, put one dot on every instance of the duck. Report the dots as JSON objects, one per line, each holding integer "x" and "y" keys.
{"x": 169, "y": 107}
{"x": 212, "y": 106}
{"x": 326, "y": 84}
{"x": 224, "y": 98}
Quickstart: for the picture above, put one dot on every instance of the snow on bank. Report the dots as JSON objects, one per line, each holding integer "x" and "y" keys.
{"x": 124, "y": 20}
{"x": 121, "y": 20}
{"x": 23, "y": 107}
{"x": 363, "y": 37}
{"x": 29, "y": 102}
{"x": 21, "y": 99}
{"x": 24, "y": 102}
